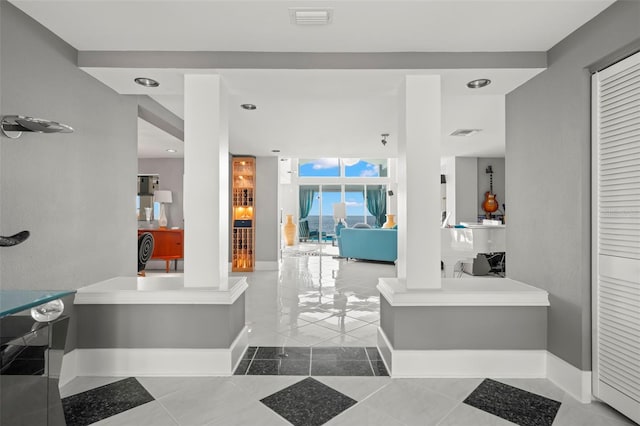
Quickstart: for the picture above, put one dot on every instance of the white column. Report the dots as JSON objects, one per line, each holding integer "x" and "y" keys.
{"x": 419, "y": 183}
{"x": 206, "y": 182}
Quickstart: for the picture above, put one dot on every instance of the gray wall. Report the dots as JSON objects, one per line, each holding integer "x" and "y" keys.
{"x": 72, "y": 191}
{"x": 466, "y": 192}
{"x": 159, "y": 326}
{"x": 548, "y": 178}
{"x": 171, "y": 173}
{"x": 464, "y": 327}
{"x": 267, "y": 209}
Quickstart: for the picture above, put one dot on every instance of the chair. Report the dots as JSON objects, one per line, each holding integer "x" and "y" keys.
{"x": 303, "y": 230}
{"x": 145, "y": 250}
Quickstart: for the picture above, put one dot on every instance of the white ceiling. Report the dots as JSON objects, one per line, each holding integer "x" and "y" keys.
{"x": 311, "y": 113}
{"x": 154, "y": 142}
{"x": 357, "y": 26}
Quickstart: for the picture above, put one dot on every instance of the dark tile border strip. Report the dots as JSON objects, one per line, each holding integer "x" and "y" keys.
{"x": 356, "y": 361}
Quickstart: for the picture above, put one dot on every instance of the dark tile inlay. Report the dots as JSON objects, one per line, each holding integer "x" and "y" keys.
{"x": 379, "y": 369}
{"x": 339, "y": 353}
{"x": 242, "y": 367}
{"x": 250, "y": 352}
{"x": 308, "y": 403}
{"x": 286, "y": 352}
{"x": 513, "y": 404}
{"x": 106, "y": 401}
{"x": 341, "y": 368}
{"x": 373, "y": 353}
{"x": 281, "y": 367}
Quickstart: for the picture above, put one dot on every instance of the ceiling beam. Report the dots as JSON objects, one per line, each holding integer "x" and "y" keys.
{"x": 288, "y": 60}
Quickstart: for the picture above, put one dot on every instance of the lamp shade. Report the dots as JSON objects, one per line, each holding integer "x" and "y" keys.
{"x": 339, "y": 211}
{"x": 162, "y": 196}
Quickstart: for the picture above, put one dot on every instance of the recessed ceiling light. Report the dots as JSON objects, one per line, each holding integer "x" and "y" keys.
{"x": 146, "y": 82}
{"x": 249, "y": 107}
{"x": 172, "y": 150}
{"x": 477, "y": 84}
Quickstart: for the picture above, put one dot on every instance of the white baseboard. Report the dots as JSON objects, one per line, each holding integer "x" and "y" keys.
{"x": 572, "y": 380}
{"x": 155, "y": 361}
{"x": 266, "y": 265}
{"x": 68, "y": 371}
{"x": 462, "y": 363}
{"x": 486, "y": 363}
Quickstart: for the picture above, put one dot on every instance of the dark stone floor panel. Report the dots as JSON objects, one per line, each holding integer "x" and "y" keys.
{"x": 308, "y": 403}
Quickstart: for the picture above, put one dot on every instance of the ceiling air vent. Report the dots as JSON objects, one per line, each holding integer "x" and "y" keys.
{"x": 465, "y": 132}
{"x": 310, "y": 16}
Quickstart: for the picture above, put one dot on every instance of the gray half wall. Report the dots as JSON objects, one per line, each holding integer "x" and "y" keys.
{"x": 464, "y": 327}
{"x": 548, "y": 177}
{"x": 159, "y": 326}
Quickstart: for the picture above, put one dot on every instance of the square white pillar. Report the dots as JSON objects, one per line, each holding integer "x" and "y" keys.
{"x": 419, "y": 182}
{"x": 206, "y": 182}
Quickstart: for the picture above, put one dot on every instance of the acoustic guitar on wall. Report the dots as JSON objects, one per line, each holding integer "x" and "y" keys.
{"x": 490, "y": 203}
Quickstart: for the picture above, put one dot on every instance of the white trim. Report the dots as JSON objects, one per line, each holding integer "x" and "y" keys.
{"x": 464, "y": 292}
{"x": 266, "y": 265}
{"x": 462, "y": 363}
{"x": 572, "y": 380}
{"x": 238, "y": 347}
{"x": 161, "y": 361}
{"x": 68, "y": 370}
{"x": 158, "y": 290}
{"x": 486, "y": 363}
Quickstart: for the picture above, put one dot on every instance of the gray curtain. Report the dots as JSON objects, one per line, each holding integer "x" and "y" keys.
{"x": 377, "y": 203}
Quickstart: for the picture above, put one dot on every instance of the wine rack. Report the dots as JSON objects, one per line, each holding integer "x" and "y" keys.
{"x": 243, "y": 210}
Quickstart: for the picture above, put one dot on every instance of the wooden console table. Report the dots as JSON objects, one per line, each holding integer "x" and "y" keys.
{"x": 168, "y": 244}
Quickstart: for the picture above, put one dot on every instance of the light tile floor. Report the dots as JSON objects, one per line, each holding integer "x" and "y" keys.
{"x": 324, "y": 301}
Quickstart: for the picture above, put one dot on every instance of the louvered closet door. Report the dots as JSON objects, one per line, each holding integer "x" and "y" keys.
{"x": 616, "y": 222}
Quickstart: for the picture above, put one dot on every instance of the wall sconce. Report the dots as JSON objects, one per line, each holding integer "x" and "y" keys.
{"x": 12, "y": 126}
{"x": 14, "y": 240}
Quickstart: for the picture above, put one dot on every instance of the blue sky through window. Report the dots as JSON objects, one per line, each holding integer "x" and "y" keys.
{"x": 330, "y": 167}
{"x": 320, "y": 167}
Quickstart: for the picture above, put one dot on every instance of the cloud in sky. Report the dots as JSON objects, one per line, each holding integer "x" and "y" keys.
{"x": 353, "y": 204}
{"x": 325, "y": 163}
{"x": 370, "y": 171}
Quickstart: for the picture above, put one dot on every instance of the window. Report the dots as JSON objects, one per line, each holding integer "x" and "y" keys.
{"x": 320, "y": 167}
{"x": 366, "y": 168}
{"x": 343, "y": 167}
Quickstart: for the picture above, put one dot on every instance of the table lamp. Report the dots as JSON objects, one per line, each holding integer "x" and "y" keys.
{"x": 163, "y": 197}
{"x": 339, "y": 215}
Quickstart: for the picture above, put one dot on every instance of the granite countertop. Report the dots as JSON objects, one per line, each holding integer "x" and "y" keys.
{"x": 12, "y": 301}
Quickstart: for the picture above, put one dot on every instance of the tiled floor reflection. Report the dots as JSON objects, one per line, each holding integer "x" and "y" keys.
{"x": 315, "y": 301}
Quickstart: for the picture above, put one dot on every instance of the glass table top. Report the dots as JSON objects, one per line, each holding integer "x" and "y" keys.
{"x": 12, "y": 301}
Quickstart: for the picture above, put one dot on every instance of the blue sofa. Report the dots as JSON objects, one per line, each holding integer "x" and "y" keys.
{"x": 369, "y": 244}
